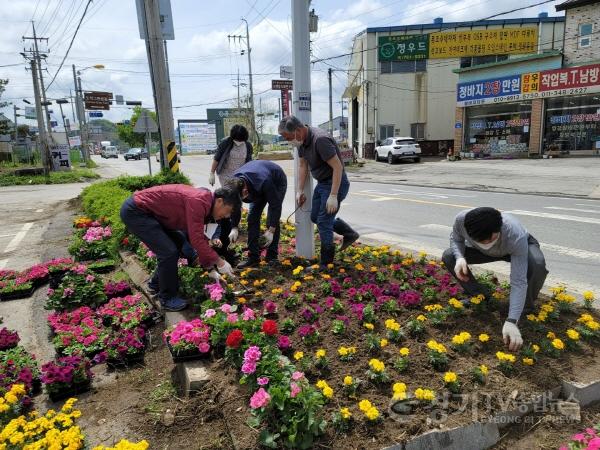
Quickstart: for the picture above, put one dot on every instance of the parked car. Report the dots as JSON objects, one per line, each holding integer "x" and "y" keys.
{"x": 396, "y": 148}
{"x": 110, "y": 151}
{"x": 178, "y": 156}
{"x": 136, "y": 153}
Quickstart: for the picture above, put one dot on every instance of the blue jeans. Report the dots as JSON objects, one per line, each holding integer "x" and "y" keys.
{"x": 319, "y": 215}
{"x": 256, "y": 209}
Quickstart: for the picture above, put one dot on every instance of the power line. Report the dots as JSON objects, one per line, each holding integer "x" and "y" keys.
{"x": 71, "y": 44}
{"x": 518, "y": 9}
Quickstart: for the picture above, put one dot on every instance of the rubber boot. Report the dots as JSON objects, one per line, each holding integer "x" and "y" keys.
{"x": 350, "y": 236}
{"x": 327, "y": 254}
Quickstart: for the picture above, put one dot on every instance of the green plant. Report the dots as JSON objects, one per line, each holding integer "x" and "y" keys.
{"x": 79, "y": 287}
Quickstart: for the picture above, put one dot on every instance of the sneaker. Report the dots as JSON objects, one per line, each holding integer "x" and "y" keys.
{"x": 348, "y": 240}
{"x": 173, "y": 304}
{"x": 249, "y": 263}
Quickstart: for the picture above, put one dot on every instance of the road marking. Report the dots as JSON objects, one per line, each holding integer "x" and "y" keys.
{"x": 39, "y": 210}
{"x": 412, "y": 200}
{"x": 593, "y": 211}
{"x": 435, "y": 226}
{"x": 432, "y": 194}
{"x": 7, "y": 235}
{"x": 589, "y": 205}
{"x": 573, "y": 252}
{"x": 383, "y": 199}
{"x": 3, "y": 263}
{"x": 14, "y": 243}
{"x": 556, "y": 216}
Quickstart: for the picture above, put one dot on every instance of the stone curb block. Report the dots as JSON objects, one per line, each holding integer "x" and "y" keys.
{"x": 507, "y": 418}
{"x": 475, "y": 436}
{"x": 585, "y": 394}
{"x": 193, "y": 375}
{"x": 138, "y": 276}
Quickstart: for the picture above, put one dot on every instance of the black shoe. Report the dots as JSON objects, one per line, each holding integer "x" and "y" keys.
{"x": 153, "y": 287}
{"x": 348, "y": 240}
{"x": 350, "y": 236}
{"x": 327, "y": 254}
{"x": 273, "y": 262}
{"x": 248, "y": 264}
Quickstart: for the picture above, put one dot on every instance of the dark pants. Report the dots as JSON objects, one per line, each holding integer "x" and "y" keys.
{"x": 325, "y": 222}
{"x": 150, "y": 231}
{"x": 256, "y": 209}
{"x": 536, "y": 270}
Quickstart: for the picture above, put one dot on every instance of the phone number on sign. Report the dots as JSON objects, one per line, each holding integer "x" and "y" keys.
{"x": 555, "y": 93}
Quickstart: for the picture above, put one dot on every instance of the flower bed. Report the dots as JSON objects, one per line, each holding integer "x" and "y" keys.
{"x": 17, "y": 366}
{"x": 79, "y": 287}
{"x": 66, "y": 377}
{"x": 8, "y": 339}
{"x": 188, "y": 340}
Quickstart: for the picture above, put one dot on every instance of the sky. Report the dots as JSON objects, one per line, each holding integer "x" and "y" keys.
{"x": 203, "y": 61}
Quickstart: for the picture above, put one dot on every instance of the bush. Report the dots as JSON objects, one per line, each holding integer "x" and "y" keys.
{"x": 133, "y": 184}
{"x": 104, "y": 200}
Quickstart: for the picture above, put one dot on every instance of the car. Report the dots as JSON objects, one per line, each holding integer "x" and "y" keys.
{"x": 110, "y": 151}
{"x": 395, "y": 149}
{"x": 178, "y": 156}
{"x": 136, "y": 153}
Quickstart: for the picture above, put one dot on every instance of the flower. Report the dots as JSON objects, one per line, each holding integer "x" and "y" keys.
{"x": 297, "y": 376}
{"x": 505, "y": 357}
{"x": 558, "y": 344}
{"x": 462, "y": 338}
{"x": 328, "y": 392}
{"x": 262, "y": 381}
{"x": 484, "y": 369}
{"x": 399, "y": 390}
{"x": 572, "y": 334}
{"x": 528, "y": 361}
{"x": 404, "y": 351}
{"x": 424, "y": 394}
{"x": 436, "y": 347}
{"x": 484, "y": 337}
{"x": 456, "y": 304}
{"x": 536, "y": 348}
{"x": 345, "y": 413}
{"x": 376, "y": 365}
{"x": 450, "y": 377}
{"x": 210, "y": 313}
{"x": 234, "y": 339}
{"x": 421, "y": 318}
{"x": 298, "y": 355}
{"x": 283, "y": 342}
{"x": 364, "y": 405}
{"x": 320, "y": 353}
{"x": 383, "y": 343}
{"x": 369, "y": 326}
{"x": 372, "y": 413}
{"x": 392, "y": 325}
{"x": 260, "y": 399}
{"x": 348, "y": 380}
{"x": 294, "y": 389}
{"x": 269, "y": 327}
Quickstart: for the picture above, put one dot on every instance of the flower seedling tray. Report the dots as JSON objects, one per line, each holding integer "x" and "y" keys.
{"x": 188, "y": 355}
{"x": 75, "y": 389}
{"x": 15, "y": 295}
{"x": 101, "y": 266}
{"x": 127, "y": 361}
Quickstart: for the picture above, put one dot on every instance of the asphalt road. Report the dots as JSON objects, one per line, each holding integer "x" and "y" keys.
{"x": 419, "y": 218}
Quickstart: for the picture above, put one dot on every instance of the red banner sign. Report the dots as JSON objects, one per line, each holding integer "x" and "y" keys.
{"x": 572, "y": 77}
{"x": 285, "y": 103}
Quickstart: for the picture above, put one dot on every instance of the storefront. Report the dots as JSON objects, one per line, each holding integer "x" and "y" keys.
{"x": 572, "y": 125}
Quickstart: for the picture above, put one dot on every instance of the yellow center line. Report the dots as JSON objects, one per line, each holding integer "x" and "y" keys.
{"x": 427, "y": 202}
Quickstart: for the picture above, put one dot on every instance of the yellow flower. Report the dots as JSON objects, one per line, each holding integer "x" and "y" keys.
{"x": 369, "y": 326}
{"x": 432, "y": 308}
{"x": 345, "y": 413}
{"x": 536, "y": 348}
{"x": 325, "y": 276}
{"x": 309, "y": 278}
{"x": 436, "y": 347}
{"x": 592, "y": 325}
{"x": 327, "y": 392}
{"x": 421, "y": 318}
{"x": 391, "y": 324}
{"x": 372, "y": 413}
{"x": 424, "y": 394}
{"x": 374, "y": 269}
{"x": 342, "y": 351}
{"x": 557, "y": 289}
{"x": 551, "y": 335}
{"x": 330, "y": 266}
{"x": 484, "y": 369}
{"x": 348, "y": 380}
{"x": 477, "y": 299}
{"x": 505, "y": 357}
{"x": 364, "y": 405}
{"x": 286, "y": 262}
{"x": 532, "y": 317}
{"x": 547, "y": 307}
{"x": 242, "y": 300}
{"x": 342, "y": 270}
{"x": 298, "y": 355}
{"x": 528, "y": 361}
{"x": 399, "y": 387}
{"x": 320, "y": 353}
{"x": 297, "y": 270}
{"x": 558, "y": 344}
{"x": 359, "y": 266}
{"x": 457, "y": 304}
{"x": 404, "y": 351}
{"x": 276, "y": 291}
{"x": 572, "y": 334}
{"x": 588, "y": 296}
{"x": 484, "y": 337}
{"x": 376, "y": 365}
{"x": 450, "y": 377}
{"x": 461, "y": 338}
{"x": 383, "y": 343}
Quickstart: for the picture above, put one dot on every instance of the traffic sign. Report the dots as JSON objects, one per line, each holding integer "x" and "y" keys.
{"x": 96, "y": 114}
{"x": 97, "y": 100}
{"x": 286, "y": 72}
{"x": 145, "y": 123}
{"x": 282, "y": 85}
{"x": 304, "y": 103}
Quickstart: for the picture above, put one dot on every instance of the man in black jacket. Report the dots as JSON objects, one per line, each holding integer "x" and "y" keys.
{"x": 261, "y": 183}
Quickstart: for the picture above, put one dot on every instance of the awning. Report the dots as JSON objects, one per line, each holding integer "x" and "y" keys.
{"x": 351, "y": 91}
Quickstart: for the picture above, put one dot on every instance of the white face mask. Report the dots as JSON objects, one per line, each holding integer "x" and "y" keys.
{"x": 489, "y": 244}
{"x": 238, "y": 142}
{"x": 295, "y": 142}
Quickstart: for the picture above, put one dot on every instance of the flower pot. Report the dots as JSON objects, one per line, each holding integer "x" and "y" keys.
{"x": 128, "y": 360}
{"x": 154, "y": 319}
{"x": 71, "y": 391}
{"x": 186, "y": 355}
{"x": 36, "y": 387}
{"x": 17, "y": 294}
{"x": 56, "y": 277}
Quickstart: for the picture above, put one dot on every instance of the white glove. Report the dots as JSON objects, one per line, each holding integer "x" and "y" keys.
{"x": 461, "y": 269}
{"x": 268, "y": 237}
{"x": 215, "y": 243}
{"x": 300, "y": 198}
{"x": 214, "y": 275}
{"x": 512, "y": 336}
{"x": 225, "y": 268}
{"x": 234, "y": 234}
{"x": 332, "y": 204}
{"x": 211, "y": 179}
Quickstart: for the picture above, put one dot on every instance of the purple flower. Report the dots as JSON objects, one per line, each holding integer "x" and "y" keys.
{"x": 284, "y": 342}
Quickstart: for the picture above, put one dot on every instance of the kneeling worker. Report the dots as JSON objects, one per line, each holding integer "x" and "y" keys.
{"x": 483, "y": 235}
{"x": 150, "y": 213}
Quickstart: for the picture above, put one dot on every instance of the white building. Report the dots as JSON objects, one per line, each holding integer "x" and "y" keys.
{"x": 401, "y": 80}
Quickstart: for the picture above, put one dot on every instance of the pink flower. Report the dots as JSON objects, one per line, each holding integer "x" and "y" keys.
{"x": 210, "y": 313}
{"x": 252, "y": 354}
{"x": 296, "y": 376}
{"x": 262, "y": 381}
{"x": 579, "y": 437}
{"x": 232, "y": 318}
{"x": 67, "y": 292}
{"x": 283, "y": 342}
{"x": 248, "y": 367}
{"x": 248, "y": 314}
{"x": 594, "y": 444}
{"x": 50, "y": 292}
{"x": 260, "y": 399}
{"x": 226, "y": 308}
{"x": 215, "y": 291}
{"x": 294, "y": 389}
{"x": 150, "y": 254}
{"x": 204, "y": 347}
{"x": 90, "y": 278}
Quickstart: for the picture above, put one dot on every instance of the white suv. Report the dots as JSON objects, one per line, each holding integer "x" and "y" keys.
{"x": 110, "y": 151}
{"x": 396, "y": 148}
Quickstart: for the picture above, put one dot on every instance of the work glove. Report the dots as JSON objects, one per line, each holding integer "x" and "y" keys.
{"x": 225, "y": 268}
{"x": 461, "y": 269}
{"x": 512, "y": 336}
{"x": 332, "y": 204}
{"x": 267, "y": 238}
{"x": 215, "y": 243}
{"x": 214, "y": 275}
{"x": 300, "y": 198}
{"x": 211, "y": 179}
{"x": 234, "y": 234}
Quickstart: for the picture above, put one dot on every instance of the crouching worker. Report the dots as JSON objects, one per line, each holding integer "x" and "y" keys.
{"x": 484, "y": 235}
{"x": 150, "y": 212}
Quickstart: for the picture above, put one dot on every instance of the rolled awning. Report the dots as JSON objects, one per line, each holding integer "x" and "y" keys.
{"x": 351, "y": 91}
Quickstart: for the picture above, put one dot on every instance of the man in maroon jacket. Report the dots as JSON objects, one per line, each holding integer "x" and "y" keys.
{"x": 150, "y": 212}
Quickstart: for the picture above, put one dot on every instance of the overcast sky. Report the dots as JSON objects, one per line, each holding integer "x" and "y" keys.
{"x": 203, "y": 61}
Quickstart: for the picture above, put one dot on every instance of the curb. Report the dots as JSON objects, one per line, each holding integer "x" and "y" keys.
{"x": 582, "y": 393}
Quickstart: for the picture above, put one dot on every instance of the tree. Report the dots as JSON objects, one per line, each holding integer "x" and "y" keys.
{"x": 4, "y": 127}
{"x": 126, "y": 133}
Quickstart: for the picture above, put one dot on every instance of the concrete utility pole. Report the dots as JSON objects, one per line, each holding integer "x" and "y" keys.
{"x": 60, "y": 102}
{"x": 252, "y": 118}
{"x": 160, "y": 77}
{"x": 83, "y": 128}
{"x": 15, "y": 108}
{"x": 330, "y": 103}
{"x": 39, "y": 66}
{"x": 43, "y": 142}
{"x": 305, "y": 245}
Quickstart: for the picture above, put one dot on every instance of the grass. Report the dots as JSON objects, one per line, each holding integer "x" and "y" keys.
{"x": 72, "y": 176}
{"x": 160, "y": 394}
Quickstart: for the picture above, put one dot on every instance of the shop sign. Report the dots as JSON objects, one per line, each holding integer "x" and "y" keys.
{"x": 499, "y": 41}
{"x": 485, "y": 91}
{"x": 403, "y": 47}
{"x": 569, "y": 78}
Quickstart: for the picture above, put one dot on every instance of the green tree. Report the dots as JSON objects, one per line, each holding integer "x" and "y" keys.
{"x": 4, "y": 127}
{"x": 126, "y": 133}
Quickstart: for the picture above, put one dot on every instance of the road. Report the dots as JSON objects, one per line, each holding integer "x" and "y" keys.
{"x": 419, "y": 218}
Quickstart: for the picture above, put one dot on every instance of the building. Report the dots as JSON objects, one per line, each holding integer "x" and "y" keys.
{"x": 340, "y": 128}
{"x": 401, "y": 79}
{"x": 545, "y": 104}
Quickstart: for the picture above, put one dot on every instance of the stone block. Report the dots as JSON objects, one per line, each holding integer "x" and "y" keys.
{"x": 193, "y": 375}
{"x": 513, "y": 416}
{"x": 584, "y": 394}
{"x": 475, "y": 436}
{"x": 570, "y": 410}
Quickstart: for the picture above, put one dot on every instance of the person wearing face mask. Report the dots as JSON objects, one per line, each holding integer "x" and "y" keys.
{"x": 319, "y": 152}
{"x": 232, "y": 153}
{"x": 483, "y": 235}
{"x": 149, "y": 214}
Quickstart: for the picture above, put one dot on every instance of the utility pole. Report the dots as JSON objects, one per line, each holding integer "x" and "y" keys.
{"x": 252, "y": 118}
{"x": 15, "y": 108}
{"x": 43, "y": 142}
{"x": 60, "y": 103}
{"x": 238, "y": 88}
{"x": 83, "y": 128}
{"x": 160, "y": 77}
{"x": 330, "y": 103}
{"x": 40, "y": 73}
{"x": 305, "y": 245}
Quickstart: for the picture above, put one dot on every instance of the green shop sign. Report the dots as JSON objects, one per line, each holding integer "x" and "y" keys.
{"x": 403, "y": 47}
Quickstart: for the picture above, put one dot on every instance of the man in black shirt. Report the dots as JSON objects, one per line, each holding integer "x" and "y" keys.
{"x": 319, "y": 152}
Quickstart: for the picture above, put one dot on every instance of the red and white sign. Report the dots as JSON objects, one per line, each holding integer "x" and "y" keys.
{"x": 285, "y": 103}
{"x": 572, "y": 77}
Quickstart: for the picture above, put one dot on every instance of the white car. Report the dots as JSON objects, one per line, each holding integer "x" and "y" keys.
{"x": 110, "y": 151}
{"x": 396, "y": 148}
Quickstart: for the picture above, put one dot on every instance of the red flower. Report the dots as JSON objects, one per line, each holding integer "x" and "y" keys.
{"x": 125, "y": 241}
{"x": 269, "y": 327}
{"x": 234, "y": 339}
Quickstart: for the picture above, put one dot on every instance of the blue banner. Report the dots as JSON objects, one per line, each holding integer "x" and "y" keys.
{"x": 474, "y": 92}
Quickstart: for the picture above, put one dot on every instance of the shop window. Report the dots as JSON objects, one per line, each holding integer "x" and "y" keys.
{"x": 417, "y": 131}
{"x": 470, "y": 61}
{"x": 386, "y": 131}
{"x": 585, "y": 34}
{"x": 403, "y": 66}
